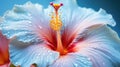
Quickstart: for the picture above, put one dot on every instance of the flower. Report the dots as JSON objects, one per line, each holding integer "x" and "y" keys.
{"x": 4, "y": 55}
{"x": 62, "y": 35}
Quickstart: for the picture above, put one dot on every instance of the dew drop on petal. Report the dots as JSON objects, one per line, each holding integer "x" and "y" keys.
{"x": 89, "y": 58}
{"x": 39, "y": 54}
{"x": 75, "y": 65}
{"x": 103, "y": 63}
{"x": 40, "y": 27}
{"x": 29, "y": 22}
{"x": 48, "y": 51}
{"x": 6, "y": 27}
{"x": 16, "y": 63}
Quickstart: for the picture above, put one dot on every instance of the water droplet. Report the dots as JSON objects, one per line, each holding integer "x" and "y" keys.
{"x": 50, "y": 53}
{"x": 103, "y": 63}
{"x": 6, "y": 27}
{"x": 89, "y": 58}
{"x": 75, "y": 65}
{"x": 40, "y": 27}
{"x": 39, "y": 54}
{"x": 29, "y": 22}
{"x": 16, "y": 63}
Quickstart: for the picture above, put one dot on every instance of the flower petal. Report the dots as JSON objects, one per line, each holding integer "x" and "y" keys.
{"x": 80, "y": 18}
{"x": 37, "y": 53}
{"x": 72, "y": 60}
{"x": 101, "y": 45}
{"x": 27, "y": 22}
{"x": 77, "y": 19}
{"x": 4, "y": 54}
{"x": 28, "y": 26}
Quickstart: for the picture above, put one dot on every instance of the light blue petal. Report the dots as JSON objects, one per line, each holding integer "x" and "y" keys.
{"x": 39, "y": 54}
{"x": 26, "y": 22}
{"x": 77, "y": 19}
{"x": 102, "y": 46}
{"x": 72, "y": 60}
{"x": 102, "y": 56}
{"x": 75, "y": 16}
{"x": 103, "y": 34}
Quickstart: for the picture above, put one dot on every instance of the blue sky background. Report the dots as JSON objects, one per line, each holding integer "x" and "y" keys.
{"x": 111, "y": 6}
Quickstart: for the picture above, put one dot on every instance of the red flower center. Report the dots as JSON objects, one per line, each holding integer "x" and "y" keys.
{"x": 60, "y": 41}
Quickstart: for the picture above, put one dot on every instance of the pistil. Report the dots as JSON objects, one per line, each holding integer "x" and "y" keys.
{"x": 56, "y": 24}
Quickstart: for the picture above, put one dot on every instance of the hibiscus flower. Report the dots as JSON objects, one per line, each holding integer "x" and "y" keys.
{"x": 62, "y": 35}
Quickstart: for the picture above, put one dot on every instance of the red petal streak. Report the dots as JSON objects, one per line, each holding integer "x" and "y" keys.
{"x": 50, "y": 37}
{"x": 67, "y": 39}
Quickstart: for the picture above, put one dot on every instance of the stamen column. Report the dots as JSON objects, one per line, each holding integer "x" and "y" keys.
{"x": 56, "y": 25}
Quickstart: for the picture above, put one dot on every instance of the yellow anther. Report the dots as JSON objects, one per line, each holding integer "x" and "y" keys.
{"x": 55, "y": 22}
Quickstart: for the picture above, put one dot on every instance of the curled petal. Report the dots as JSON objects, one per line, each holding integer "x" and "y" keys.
{"x": 37, "y": 53}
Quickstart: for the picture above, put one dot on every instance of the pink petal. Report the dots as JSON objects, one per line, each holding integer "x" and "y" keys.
{"x": 4, "y": 54}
